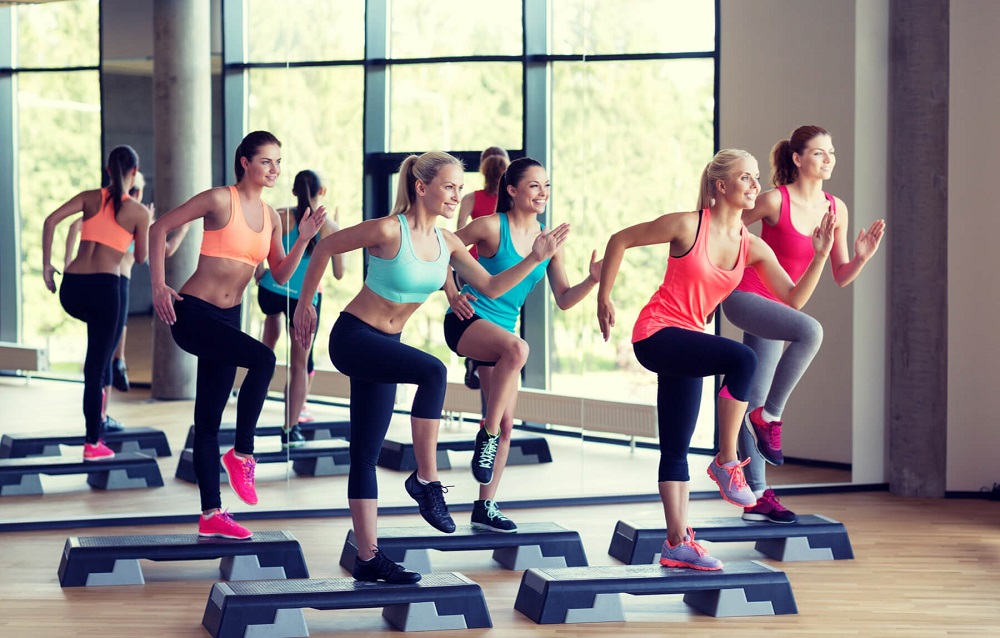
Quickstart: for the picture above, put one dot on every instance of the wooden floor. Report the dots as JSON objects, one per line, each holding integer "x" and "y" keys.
{"x": 922, "y": 567}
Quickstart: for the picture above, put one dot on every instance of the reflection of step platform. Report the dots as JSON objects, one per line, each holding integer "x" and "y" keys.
{"x": 313, "y": 431}
{"x": 812, "y": 537}
{"x": 533, "y": 545}
{"x": 525, "y": 449}
{"x": 124, "y": 471}
{"x": 593, "y": 594}
{"x": 274, "y": 608}
{"x": 146, "y": 441}
{"x": 314, "y": 458}
{"x": 114, "y": 560}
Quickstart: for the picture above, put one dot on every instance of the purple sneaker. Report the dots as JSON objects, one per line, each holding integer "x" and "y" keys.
{"x": 688, "y": 554}
{"x": 767, "y": 435}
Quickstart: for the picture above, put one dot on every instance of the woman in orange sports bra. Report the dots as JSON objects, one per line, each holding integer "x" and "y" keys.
{"x": 90, "y": 288}
{"x": 241, "y": 231}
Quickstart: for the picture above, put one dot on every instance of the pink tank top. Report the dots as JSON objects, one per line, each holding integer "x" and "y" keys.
{"x": 793, "y": 249}
{"x": 483, "y": 204}
{"x": 692, "y": 287}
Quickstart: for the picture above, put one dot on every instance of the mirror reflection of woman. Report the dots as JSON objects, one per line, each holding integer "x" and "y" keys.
{"x": 241, "y": 231}
{"x": 709, "y": 249}
{"x": 409, "y": 257}
{"x": 92, "y": 287}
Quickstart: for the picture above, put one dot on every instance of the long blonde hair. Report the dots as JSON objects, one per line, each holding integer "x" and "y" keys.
{"x": 721, "y": 167}
{"x": 423, "y": 167}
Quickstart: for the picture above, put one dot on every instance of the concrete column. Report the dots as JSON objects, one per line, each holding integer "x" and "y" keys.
{"x": 182, "y": 135}
{"x": 918, "y": 291}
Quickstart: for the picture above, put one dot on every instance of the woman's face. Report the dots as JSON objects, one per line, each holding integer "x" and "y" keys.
{"x": 532, "y": 191}
{"x": 265, "y": 167}
{"x": 817, "y": 159}
{"x": 743, "y": 185}
{"x": 443, "y": 195}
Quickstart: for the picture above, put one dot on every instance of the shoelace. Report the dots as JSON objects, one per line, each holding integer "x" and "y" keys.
{"x": 774, "y": 434}
{"x": 226, "y": 517}
{"x": 492, "y": 511}
{"x": 736, "y": 474}
{"x": 385, "y": 567}
{"x": 248, "y": 464}
{"x": 435, "y": 494}
{"x": 770, "y": 498}
{"x": 489, "y": 451}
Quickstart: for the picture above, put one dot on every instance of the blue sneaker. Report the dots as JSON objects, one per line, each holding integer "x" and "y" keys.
{"x": 731, "y": 482}
{"x": 688, "y": 554}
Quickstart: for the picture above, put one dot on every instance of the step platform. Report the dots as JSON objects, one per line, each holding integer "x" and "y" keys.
{"x": 313, "y": 431}
{"x": 533, "y": 545}
{"x": 812, "y": 537}
{"x": 273, "y": 608}
{"x": 89, "y": 561}
{"x": 593, "y": 594}
{"x": 148, "y": 441}
{"x": 315, "y": 458}
{"x": 124, "y": 471}
{"x": 525, "y": 449}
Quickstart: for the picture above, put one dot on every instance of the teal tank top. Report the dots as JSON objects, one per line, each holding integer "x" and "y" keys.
{"x": 505, "y": 309}
{"x": 406, "y": 278}
{"x": 294, "y": 285}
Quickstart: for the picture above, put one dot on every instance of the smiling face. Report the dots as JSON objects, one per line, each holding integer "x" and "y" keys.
{"x": 531, "y": 193}
{"x": 742, "y": 186}
{"x": 817, "y": 159}
{"x": 265, "y": 166}
{"x": 444, "y": 193}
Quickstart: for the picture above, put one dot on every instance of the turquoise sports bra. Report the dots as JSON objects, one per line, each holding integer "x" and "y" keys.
{"x": 406, "y": 278}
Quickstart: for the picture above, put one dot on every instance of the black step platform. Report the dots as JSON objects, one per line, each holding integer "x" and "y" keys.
{"x": 88, "y": 561}
{"x": 533, "y": 545}
{"x": 124, "y": 471}
{"x": 274, "y": 608}
{"x": 525, "y": 449}
{"x": 592, "y": 594}
{"x": 148, "y": 441}
{"x": 314, "y": 458}
{"x": 313, "y": 431}
{"x": 812, "y": 537}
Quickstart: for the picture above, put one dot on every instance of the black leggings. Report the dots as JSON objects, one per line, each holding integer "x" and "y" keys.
{"x": 94, "y": 299}
{"x": 213, "y": 335}
{"x": 681, "y": 358}
{"x": 123, "y": 283}
{"x": 271, "y": 303}
{"x": 376, "y": 361}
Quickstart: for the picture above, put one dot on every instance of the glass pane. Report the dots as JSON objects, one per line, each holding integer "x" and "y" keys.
{"x": 59, "y": 155}
{"x": 305, "y": 30}
{"x": 612, "y": 168}
{"x": 322, "y": 132}
{"x": 434, "y": 28}
{"x": 632, "y": 26}
{"x": 459, "y": 107}
{"x": 58, "y": 34}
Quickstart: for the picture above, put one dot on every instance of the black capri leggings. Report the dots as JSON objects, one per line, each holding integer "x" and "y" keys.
{"x": 681, "y": 358}
{"x": 123, "y": 285}
{"x": 213, "y": 335}
{"x": 271, "y": 303}
{"x": 376, "y": 361}
{"x": 94, "y": 299}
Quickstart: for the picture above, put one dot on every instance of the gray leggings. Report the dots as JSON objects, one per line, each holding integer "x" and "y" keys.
{"x": 766, "y": 326}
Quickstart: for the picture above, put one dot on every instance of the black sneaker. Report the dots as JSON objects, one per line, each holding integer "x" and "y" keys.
{"x": 119, "y": 376}
{"x": 430, "y": 498}
{"x": 111, "y": 425}
{"x": 381, "y": 568}
{"x": 471, "y": 375}
{"x": 293, "y": 437}
{"x": 486, "y": 515}
{"x": 483, "y": 455}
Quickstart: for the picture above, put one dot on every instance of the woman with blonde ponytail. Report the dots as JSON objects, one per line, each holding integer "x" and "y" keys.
{"x": 408, "y": 260}
{"x": 709, "y": 249}
{"x": 799, "y": 166}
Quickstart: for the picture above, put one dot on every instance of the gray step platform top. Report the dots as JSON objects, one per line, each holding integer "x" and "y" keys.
{"x": 23, "y": 444}
{"x": 73, "y": 464}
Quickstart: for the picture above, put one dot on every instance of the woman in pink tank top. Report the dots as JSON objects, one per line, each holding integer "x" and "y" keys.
{"x": 709, "y": 249}
{"x": 799, "y": 166}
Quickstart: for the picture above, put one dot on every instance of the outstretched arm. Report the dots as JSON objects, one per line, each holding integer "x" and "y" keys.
{"x": 568, "y": 296}
{"x": 71, "y": 207}
{"x": 865, "y": 246}
{"x": 282, "y": 265}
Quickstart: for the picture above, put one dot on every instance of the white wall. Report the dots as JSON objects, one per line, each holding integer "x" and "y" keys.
{"x": 973, "y": 294}
{"x": 786, "y": 63}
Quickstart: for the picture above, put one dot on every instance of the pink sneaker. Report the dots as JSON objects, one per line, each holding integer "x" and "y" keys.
{"x": 766, "y": 435}
{"x": 222, "y": 525}
{"x": 97, "y": 452}
{"x": 240, "y": 471}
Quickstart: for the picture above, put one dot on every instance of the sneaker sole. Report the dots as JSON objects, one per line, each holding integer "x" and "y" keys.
{"x": 725, "y": 497}
{"x": 99, "y": 458}
{"x": 233, "y": 488}
{"x": 766, "y": 519}
{"x": 487, "y": 528}
{"x": 665, "y": 562}
{"x": 221, "y": 535}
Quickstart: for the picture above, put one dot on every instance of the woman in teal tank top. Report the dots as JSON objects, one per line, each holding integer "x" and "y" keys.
{"x": 500, "y": 239}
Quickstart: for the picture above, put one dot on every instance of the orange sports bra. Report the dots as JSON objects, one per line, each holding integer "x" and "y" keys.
{"x": 236, "y": 240}
{"x": 103, "y": 228}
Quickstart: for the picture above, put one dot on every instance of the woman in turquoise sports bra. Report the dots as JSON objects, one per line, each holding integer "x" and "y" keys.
{"x": 499, "y": 352}
{"x": 408, "y": 260}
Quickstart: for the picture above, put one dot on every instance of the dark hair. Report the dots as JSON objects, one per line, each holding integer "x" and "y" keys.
{"x": 493, "y": 168}
{"x": 305, "y": 187}
{"x": 493, "y": 151}
{"x": 249, "y": 146}
{"x": 121, "y": 160}
{"x": 512, "y": 177}
{"x": 425, "y": 168}
{"x": 783, "y": 168}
